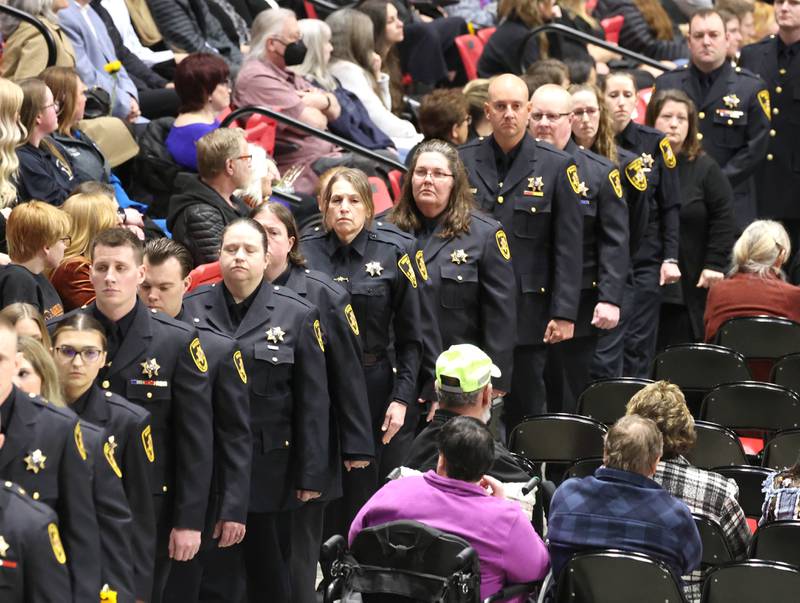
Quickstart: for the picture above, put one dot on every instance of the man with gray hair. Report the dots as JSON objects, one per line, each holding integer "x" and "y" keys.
{"x": 621, "y": 507}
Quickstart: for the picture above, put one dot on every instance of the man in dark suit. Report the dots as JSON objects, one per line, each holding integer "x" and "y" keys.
{"x": 777, "y": 60}
{"x": 732, "y": 105}
{"x": 525, "y": 184}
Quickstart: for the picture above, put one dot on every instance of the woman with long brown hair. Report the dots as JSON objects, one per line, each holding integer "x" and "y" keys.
{"x": 647, "y": 28}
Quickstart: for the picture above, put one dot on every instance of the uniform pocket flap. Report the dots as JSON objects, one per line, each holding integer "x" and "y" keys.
{"x": 533, "y": 283}
{"x": 460, "y": 272}
{"x": 283, "y": 355}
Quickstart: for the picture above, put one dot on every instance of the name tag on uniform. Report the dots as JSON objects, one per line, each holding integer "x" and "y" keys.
{"x": 150, "y": 382}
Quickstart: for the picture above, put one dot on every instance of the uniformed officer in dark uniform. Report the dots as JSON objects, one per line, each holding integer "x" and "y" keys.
{"x": 606, "y": 257}
{"x": 167, "y": 266}
{"x": 732, "y": 105}
{"x": 526, "y": 185}
{"x": 350, "y": 436}
{"x": 44, "y": 453}
{"x": 32, "y": 558}
{"x": 776, "y": 59}
{"x": 159, "y": 364}
{"x": 280, "y": 338}
{"x": 128, "y": 436}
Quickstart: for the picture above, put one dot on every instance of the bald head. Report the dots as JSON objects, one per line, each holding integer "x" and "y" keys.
{"x": 507, "y": 110}
{"x": 551, "y": 115}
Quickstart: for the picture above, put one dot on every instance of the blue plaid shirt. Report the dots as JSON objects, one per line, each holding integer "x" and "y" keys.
{"x": 621, "y": 510}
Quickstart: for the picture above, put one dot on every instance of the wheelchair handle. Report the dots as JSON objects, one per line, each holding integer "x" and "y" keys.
{"x": 531, "y": 484}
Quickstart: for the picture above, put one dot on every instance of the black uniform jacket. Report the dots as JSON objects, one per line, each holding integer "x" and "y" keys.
{"x": 33, "y": 565}
{"x": 778, "y": 177}
{"x": 377, "y": 270}
{"x": 113, "y": 513}
{"x": 540, "y": 213}
{"x": 471, "y": 284}
{"x": 281, "y": 343}
{"x": 350, "y": 424}
{"x": 130, "y": 426}
{"x": 161, "y": 367}
{"x": 634, "y": 188}
{"x": 44, "y": 453}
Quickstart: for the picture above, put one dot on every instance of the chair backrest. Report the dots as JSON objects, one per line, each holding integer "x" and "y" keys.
{"x": 612, "y": 26}
{"x": 261, "y": 130}
{"x": 311, "y": 11}
{"x": 712, "y": 537}
{"x": 605, "y": 400}
{"x": 777, "y": 541}
{"x": 470, "y": 48}
{"x": 640, "y": 108}
{"x": 558, "y": 438}
{"x": 700, "y": 366}
{"x": 205, "y": 274}
{"x": 786, "y": 372}
{"x": 614, "y": 576}
{"x": 752, "y": 405}
{"x": 749, "y": 480}
{"x": 752, "y": 580}
{"x": 381, "y": 198}
{"x": 781, "y": 451}
{"x": 485, "y": 33}
{"x": 583, "y": 467}
{"x": 396, "y": 183}
{"x": 715, "y": 446}
{"x": 760, "y": 339}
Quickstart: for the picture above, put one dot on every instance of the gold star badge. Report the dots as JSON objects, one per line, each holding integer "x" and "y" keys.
{"x": 731, "y": 101}
{"x": 150, "y": 367}
{"x": 583, "y": 190}
{"x": 459, "y": 256}
{"x": 275, "y": 334}
{"x": 373, "y": 268}
{"x": 35, "y": 461}
{"x": 4, "y": 546}
{"x": 536, "y": 184}
{"x": 647, "y": 160}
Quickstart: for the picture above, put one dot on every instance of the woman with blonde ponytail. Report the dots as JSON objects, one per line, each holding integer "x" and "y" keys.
{"x": 11, "y": 134}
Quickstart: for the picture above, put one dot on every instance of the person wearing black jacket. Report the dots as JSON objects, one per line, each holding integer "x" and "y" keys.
{"x": 206, "y": 203}
{"x": 647, "y": 28}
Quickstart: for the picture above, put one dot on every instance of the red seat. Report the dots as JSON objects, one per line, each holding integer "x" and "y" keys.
{"x": 589, "y": 5}
{"x": 485, "y": 33}
{"x": 470, "y": 49}
{"x": 381, "y": 199}
{"x": 261, "y": 130}
{"x": 396, "y": 182}
{"x": 642, "y": 100}
{"x": 311, "y": 11}
{"x": 205, "y": 274}
{"x": 612, "y": 27}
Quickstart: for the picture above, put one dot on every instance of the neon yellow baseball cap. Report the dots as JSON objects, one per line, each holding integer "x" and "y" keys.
{"x": 464, "y": 368}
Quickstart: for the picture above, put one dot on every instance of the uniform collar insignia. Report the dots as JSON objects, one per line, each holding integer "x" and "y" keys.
{"x": 150, "y": 367}
{"x": 275, "y": 334}
{"x": 341, "y": 279}
{"x": 373, "y": 268}
{"x": 731, "y": 101}
{"x": 459, "y": 256}
{"x": 35, "y": 461}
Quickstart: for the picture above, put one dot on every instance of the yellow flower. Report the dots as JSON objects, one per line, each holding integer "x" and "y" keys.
{"x": 112, "y": 67}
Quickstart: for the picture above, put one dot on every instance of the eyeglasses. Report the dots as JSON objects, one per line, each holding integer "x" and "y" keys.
{"x": 247, "y": 158}
{"x": 435, "y": 174}
{"x": 537, "y": 117}
{"x": 589, "y": 111}
{"x": 55, "y": 104}
{"x": 88, "y": 355}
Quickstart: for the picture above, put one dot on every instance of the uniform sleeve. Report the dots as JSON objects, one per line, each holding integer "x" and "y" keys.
{"x": 742, "y": 165}
{"x": 76, "y": 512}
{"x": 311, "y": 408}
{"x": 193, "y": 434}
{"x": 232, "y": 436}
{"x": 406, "y": 304}
{"x": 526, "y": 558}
{"x": 567, "y": 253}
{"x": 432, "y": 344}
{"x": 668, "y": 196}
{"x": 718, "y": 198}
{"x": 46, "y": 579}
{"x": 614, "y": 258}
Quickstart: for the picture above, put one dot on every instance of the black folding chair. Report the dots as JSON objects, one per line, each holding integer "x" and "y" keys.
{"x": 782, "y": 450}
{"x": 613, "y": 576}
{"x": 753, "y": 581}
{"x": 749, "y": 480}
{"x": 777, "y": 541}
{"x": 583, "y": 467}
{"x": 786, "y": 372}
{"x": 761, "y": 340}
{"x": 605, "y": 400}
{"x": 715, "y": 547}
{"x": 716, "y": 445}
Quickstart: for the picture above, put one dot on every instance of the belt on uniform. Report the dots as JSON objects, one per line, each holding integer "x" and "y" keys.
{"x": 372, "y": 359}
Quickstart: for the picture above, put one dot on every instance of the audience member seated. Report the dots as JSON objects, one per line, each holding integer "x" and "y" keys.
{"x": 94, "y": 51}
{"x": 191, "y": 27}
{"x": 203, "y": 84}
{"x": 357, "y": 66}
{"x": 37, "y": 372}
{"x": 511, "y": 49}
{"x": 354, "y": 122}
{"x": 233, "y": 24}
{"x": 455, "y": 402}
{"x": 477, "y": 94}
{"x": 647, "y": 28}
{"x": 27, "y": 321}
{"x": 37, "y": 235}
{"x": 575, "y": 15}
{"x": 11, "y": 135}
{"x": 733, "y": 34}
{"x": 546, "y": 71}
{"x": 25, "y": 51}
{"x": 459, "y": 499}
{"x": 45, "y": 171}
{"x": 206, "y": 203}
{"x": 756, "y": 285}
{"x": 89, "y": 213}
{"x": 706, "y": 226}
{"x": 621, "y": 507}
{"x": 705, "y": 493}
{"x": 444, "y": 114}
{"x": 781, "y": 495}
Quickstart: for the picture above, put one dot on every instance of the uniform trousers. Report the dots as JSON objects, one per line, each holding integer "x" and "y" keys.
{"x": 306, "y": 542}
{"x": 528, "y": 395}
{"x": 267, "y": 555}
{"x": 568, "y": 372}
{"x": 163, "y": 563}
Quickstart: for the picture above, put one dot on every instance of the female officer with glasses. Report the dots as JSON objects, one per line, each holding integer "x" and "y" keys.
{"x": 79, "y": 351}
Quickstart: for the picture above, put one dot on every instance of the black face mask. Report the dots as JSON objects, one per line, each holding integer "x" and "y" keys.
{"x": 295, "y": 53}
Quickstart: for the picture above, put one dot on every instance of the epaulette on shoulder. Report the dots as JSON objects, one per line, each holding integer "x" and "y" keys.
{"x": 22, "y": 495}
{"x": 324, "y": 280}
{"x": 288, "y": 293}
{"x": 549, "y": 148}
{"x": 485, "y": 219}
{"x": 62, "y": 412}
{"x": 117, "y": 401}
{"x": 315, "y": 233}
{"x": 202, "y": 290}
{"x": 597, "y": 158}
{"x": 389, "y": 227}
{"x": 168, "y": 320}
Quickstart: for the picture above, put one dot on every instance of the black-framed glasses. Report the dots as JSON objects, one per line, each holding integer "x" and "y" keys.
{"x": 537, "y": 117}
{"x": 590, "y": 111}
{"x": 88, "y": 355}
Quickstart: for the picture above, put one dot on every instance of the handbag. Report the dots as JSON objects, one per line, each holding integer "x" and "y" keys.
{"x": 98, "y": 103}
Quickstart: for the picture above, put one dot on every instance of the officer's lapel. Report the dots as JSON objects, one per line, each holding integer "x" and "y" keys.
{"x": 296, "y": 281}
{"x": 523, "y": 165}
{"x": 217, "y": 310}
{"x": 97, "y": 409}
{"x": 136, "y": 341}
{"x": 435, "y": 243}
{"x": 20, "y": 431}
{"x": 256, "y": 315}
{"x": 723, "y": 85}
{"x": 486, "y": 169}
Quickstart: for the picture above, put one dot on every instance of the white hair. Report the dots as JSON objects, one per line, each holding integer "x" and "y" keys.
{"x": 314, "y": 67}
{"x": 267, "y": 24}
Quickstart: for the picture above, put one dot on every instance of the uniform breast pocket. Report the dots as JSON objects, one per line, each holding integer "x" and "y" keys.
{"x": 272, "y": 371}
{"x": 374, "y": 295}
{"x": 151, "y": 397}
{"x": 531, "y": 217}
{"x": 459, "y": 285}
{"x": 794, "y": 108}
{"x": 729, "y": 131}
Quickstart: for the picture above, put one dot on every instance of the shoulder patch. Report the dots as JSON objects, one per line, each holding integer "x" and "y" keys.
{"x": 147, "y": 443}
{"x": 616, "y": 184}
{"x": 404, "y": 263}
{"x": 108, "y": 452}
{"x": 666, "y": 150}
{"x": 238, "y": 362}
{"x": 634, "y": 171}
{"x": 78, "y": 434}
{"x": 55, "y": 543}
{"x": 318, "y": 334}
{"x": 351, "y": 318}
{"x": 763, "y": 100}
{"x": 574, "y": 179}
{"x": 198, "y": 355}
{"x": 502, "y": 244}
{"x": 419, "y": 258}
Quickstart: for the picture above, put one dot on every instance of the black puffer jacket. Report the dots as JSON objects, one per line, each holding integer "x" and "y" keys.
{"x": 636, "y": 34}
{"x": 197, "y": 216}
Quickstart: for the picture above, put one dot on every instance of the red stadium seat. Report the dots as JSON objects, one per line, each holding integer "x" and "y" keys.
{"x": 485, "y": 33}
{"x": 470, "y": 48}
{"x": 590, "y": 4}
{"x": 205, "y": 274}
{"x": 261, "y": 130}
{"x": 612, "y": 27}
{"x": 642, "y": 100}
{"x": 381, "y": 198}
{"x": 396, "y": 182}
{"x": 311, "y": 12}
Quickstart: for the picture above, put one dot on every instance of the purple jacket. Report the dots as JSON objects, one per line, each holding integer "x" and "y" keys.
{"x": 508, "y": 547}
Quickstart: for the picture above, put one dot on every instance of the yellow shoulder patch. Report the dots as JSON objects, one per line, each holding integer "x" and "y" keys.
{"x": 318, "y": 335}
{"x": 502, "y": 243}
{"x": 351, "y": 318}
{"x": 238, "y": 362}
{"x": 79, "y": 441}
{"x": 55, "y": 543}
{"x": 419, "y": 257}
{"x": 666, "y": 150}
{"x": 616, "y": 184}
{"x": 147, "y": 443}
{"x": 574, "y": 179}
{"x": 404, "y": 263}
{"x": 108, "y": 452}
{"x": 634, "y": 171}
{"x": 763, "y": 100}
{"x": 198, "y": 355}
